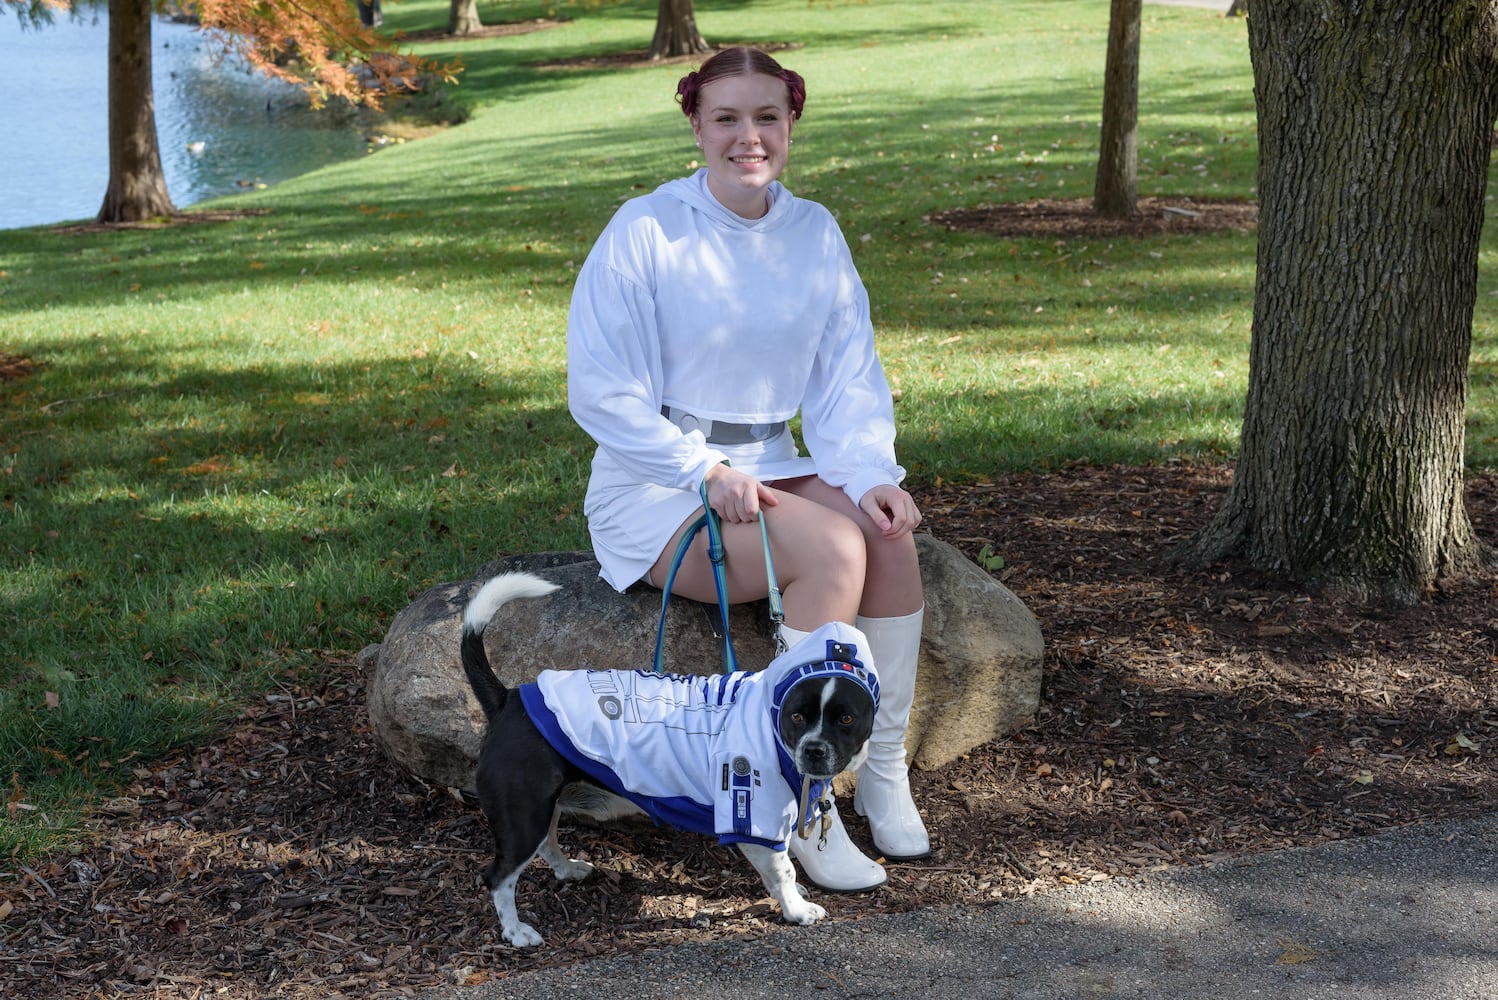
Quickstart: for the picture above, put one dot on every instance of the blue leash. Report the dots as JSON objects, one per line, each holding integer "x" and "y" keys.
{"x": 718, "y": 557}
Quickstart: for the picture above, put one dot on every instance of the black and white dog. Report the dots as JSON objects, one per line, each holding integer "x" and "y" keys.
{"x": 745, "y": 756}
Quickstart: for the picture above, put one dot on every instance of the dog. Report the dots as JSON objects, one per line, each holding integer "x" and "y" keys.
{"x": 745, "y": 756}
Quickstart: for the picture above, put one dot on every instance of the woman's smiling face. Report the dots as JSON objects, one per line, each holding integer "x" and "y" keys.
{"x": 743, "y": 124}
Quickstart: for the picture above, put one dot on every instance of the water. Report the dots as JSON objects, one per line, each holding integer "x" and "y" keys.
{"x": 54, "y": 127}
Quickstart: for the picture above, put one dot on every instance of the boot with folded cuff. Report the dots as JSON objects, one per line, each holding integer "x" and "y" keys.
{"x": 883, "y": 793}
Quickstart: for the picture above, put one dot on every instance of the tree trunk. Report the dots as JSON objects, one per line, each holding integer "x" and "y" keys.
{"x": 463, "y": 17}
{"x": 1375, "y": 125}
{"x": 1238, "y": 8}
{"x": 676, "y": 31}
{"x": 1116, "y": 189}
{"x": 137, "y": 184}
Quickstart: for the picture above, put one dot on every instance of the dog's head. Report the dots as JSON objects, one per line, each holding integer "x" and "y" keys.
{"x": 824, "y": 712}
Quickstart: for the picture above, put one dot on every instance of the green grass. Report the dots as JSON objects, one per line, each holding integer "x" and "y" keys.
{"x": 250, "y": 444}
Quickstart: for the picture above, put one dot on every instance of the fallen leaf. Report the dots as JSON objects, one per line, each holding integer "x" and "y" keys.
{"x": 1296, "y": 953}
{"x": 1460, "y": 743}
{"x": 53, "y": 700}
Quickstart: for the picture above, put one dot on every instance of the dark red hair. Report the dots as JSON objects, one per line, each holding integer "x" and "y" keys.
{"x": 741, "y": 61}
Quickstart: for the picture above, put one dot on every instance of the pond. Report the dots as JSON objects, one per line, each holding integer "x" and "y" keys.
{"x": 222, "y": 128}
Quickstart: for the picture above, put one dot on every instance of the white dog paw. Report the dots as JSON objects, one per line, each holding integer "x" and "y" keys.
{"x": 523, "y": 935}
{"x": 802, "y": 913}
{"x": 572, "y": 870}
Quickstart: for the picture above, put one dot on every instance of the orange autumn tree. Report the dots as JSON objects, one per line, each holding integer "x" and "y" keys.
{"x": 319, "y": 45}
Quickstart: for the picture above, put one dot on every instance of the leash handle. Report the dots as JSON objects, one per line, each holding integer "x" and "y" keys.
{"x": 681, "y": 550}
{"x": 717, "y": 555}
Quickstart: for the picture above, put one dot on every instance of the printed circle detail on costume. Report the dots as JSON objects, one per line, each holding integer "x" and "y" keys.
{"x": 611, "y": 707}
{"x": 741, "y": 766}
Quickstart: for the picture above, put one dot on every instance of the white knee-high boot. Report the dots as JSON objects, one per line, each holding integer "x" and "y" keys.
{"x": 835, "y": 864}
{"x": 883, "y": 793}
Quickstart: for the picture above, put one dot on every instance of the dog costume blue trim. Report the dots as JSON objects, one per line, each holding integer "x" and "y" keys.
{"x": 697, "y": 753}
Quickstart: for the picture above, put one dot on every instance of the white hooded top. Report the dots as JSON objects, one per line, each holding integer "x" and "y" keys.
{"x": 697, "y": 753}
{"x": 683, "y": 303}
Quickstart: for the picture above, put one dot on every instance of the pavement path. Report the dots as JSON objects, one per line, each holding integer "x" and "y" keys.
{"x": 1407, "y": 915}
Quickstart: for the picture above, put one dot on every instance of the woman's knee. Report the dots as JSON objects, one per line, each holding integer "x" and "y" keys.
{"x": 812, "y": 543}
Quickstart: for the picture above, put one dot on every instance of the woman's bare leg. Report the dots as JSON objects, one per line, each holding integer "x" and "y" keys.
{"x": 892, "y": 581}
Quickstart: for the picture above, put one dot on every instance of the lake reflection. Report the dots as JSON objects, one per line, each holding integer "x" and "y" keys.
{"x": 56, "y": 126}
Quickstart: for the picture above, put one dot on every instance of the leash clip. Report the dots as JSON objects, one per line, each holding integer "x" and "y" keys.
{"x": 807, "y": 817}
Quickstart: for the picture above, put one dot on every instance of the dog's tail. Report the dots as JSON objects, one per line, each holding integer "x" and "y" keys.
{"x": 481, "y": 607}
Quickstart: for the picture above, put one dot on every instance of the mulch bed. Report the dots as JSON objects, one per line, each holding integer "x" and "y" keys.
{"x": 501, "y": 29}
{"x": 1073, "y": 218}
{"x": 1187, "y": 716}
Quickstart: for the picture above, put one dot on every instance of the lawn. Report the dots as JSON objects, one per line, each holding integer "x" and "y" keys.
{"x": 246, "y": 445}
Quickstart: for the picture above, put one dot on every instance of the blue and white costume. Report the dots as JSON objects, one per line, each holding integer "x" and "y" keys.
{"x": 697, "y": 753}
{"x": 684, "y": 305}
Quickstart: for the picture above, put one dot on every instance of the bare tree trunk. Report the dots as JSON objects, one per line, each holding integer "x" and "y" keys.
{"x": 1375, "y": 125}
{"x": 463, "y": 17}
{"x": 1238, "y": 8}
{"x": 1115, "y": 192}
{"x": 676, "y": 31}
{"x": 137, "y": 184}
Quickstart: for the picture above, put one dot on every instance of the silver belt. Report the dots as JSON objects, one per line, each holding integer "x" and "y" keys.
{"x": 721, "y": 431}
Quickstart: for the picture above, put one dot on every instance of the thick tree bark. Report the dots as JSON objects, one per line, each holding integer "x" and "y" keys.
{"x": 463, "y": 17}
{"x": 1375, "y": 125}
{"x": 137, "y": 184}
{"x": 676, "y": 31}
{"x": 1116, "y": 189}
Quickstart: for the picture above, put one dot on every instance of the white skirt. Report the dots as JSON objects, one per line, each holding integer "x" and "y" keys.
{"x": 631, "y": 523}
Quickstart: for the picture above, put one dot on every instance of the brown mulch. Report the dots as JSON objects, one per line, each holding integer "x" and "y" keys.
{"x": 15, "y": 366}
{"x": 1187, "y": 716}
{"x": 1073, "y": 218}
{"x": 502, "y": 29}
{"x": 636, "y": 58}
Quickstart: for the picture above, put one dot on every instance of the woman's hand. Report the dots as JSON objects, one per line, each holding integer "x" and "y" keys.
{"x": 736, "y": 496}
{"x": 892, "y": 509}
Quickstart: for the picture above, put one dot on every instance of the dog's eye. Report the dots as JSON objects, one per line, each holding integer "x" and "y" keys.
{"x": 797, "y": 717}
{"x": 846, "y": 720}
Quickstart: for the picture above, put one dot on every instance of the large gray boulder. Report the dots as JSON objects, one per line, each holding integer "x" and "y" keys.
{"x": 978, "y": 678}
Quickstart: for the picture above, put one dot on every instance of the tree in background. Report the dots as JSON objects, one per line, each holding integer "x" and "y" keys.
{"x": 1375, "y": 134}
{"x": 463, "y": 17}
{"x": 319, "y": 45}
{"x": 676, "y": 31}
{"x": 137, "y": 183}
{"x": 1115, "y": 192}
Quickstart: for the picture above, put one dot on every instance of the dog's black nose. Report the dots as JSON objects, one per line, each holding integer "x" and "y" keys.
{"x": 817, "y": 753}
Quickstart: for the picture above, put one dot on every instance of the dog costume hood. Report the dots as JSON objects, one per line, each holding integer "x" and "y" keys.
{"x": 697, "y": 753}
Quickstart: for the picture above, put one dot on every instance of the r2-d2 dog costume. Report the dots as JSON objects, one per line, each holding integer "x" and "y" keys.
{"x": 699, "y": 753}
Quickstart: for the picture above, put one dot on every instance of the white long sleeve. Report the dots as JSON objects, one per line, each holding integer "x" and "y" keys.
{"x": 681, "y": 303}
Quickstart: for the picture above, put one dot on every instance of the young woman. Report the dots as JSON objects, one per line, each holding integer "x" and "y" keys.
{"x": 709, "y": 313}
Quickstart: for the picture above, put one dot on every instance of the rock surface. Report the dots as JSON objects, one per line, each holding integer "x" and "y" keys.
{"x": 979, "y": 672}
